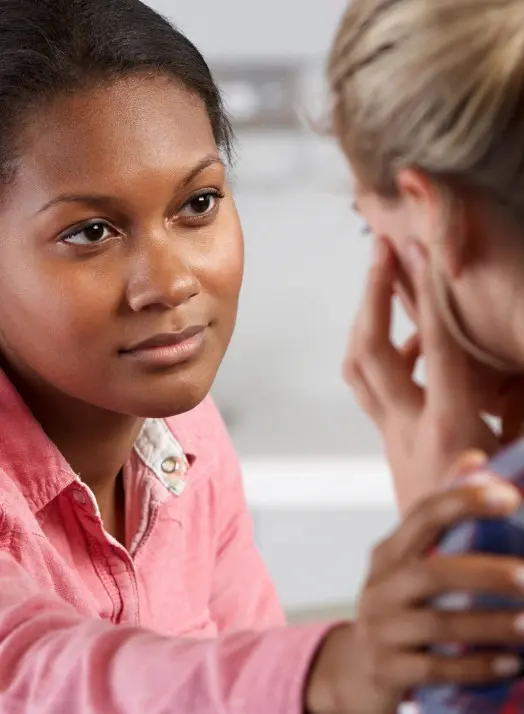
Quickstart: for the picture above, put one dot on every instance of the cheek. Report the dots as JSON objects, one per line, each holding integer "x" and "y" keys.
{"x": 228, "y": 276}
{"x": 221, "y": 274}
{"x": 55, "y": 305}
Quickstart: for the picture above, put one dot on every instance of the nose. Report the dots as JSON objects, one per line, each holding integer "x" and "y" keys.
{"x": 160, "y": 278}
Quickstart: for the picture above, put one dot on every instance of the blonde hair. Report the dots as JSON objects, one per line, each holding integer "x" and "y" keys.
{"x": 436, "y": 85}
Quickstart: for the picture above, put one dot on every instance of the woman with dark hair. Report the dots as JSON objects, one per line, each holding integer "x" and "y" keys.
{"x": 129, "y": 581}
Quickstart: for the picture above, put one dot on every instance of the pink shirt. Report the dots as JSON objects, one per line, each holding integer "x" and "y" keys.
{"x": 184, "y": 620}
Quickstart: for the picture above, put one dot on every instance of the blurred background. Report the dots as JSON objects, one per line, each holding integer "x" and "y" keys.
{"x": 315, "y": 478}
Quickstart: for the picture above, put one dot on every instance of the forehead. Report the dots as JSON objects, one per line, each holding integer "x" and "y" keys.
{"x": 110, "y": 133}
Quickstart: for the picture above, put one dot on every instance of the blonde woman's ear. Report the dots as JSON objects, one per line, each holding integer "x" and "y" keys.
{"x": 421, "y": 205}
{"x": 437, "y": 218}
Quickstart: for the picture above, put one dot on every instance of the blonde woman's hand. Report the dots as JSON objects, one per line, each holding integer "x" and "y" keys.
{"x": 425, "y": 429}
{"x": 497, "y": 393}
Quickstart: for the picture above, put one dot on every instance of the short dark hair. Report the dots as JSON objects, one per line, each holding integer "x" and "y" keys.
{"x": 51, "y": 47}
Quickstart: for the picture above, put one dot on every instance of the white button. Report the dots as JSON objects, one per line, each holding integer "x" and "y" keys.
{"x": 170, "y": 465}
{"x": 79, "y": 497}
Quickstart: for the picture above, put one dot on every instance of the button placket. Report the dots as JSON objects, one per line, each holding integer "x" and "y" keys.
{"x": 174, "y": 468}
{"x": 79, "y": 497}
{"x": 161, "y": 452}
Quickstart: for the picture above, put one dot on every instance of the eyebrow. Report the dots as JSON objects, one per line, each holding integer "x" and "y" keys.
{"x": 99, "y": 199}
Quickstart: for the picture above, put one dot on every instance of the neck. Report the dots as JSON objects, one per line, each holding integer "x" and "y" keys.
{"x": 95, "y": 442}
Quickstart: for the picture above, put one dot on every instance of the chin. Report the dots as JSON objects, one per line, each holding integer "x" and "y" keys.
{"x": 165, "y": 398}
{"x": 164, "y": 408}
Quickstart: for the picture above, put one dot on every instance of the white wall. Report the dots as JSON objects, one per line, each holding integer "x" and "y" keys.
{"x": 244, "y": 28}
{"x": 306, "y": 264}
{"x": 318, "y": 558}
{"x": 316, "y": 522}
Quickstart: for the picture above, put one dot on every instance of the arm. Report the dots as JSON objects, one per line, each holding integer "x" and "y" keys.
{"x": 52, "y": 660}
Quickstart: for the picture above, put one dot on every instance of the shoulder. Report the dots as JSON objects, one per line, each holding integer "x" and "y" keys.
{"x": 15, "y": 511}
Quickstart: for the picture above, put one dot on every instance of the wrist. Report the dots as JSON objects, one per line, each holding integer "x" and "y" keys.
{"x": 322, "y": 691}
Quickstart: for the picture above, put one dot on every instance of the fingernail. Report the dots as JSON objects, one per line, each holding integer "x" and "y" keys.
{"x": 475, "y": 479}
{"x": 465, "y": 467}
{"x": 501, "y": 495}
{"x": 481, "y": 478}
{"x": 506, "y": 666}
{"x": 518, "y": 577}
{"x": 417, "y": 256}
{"x": 519, "y": 622}
{"x": 474, "y": 457}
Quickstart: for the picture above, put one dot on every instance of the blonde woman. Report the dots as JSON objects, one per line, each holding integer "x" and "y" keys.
{"x": 428, "y": 107}
{"x": 429, "y": 110}
{"x": 129, "y": 579}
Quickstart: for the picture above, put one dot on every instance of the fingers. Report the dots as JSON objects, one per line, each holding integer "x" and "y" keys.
{"x": 427, "y": 522}
{"x": 362, "y": 392}
{"x": 410, "y": 352}
{"x": 405, "y": 671}
{"x": 422, "y": 628}
{"x": 404, "y": 290}
{"x": 467, "y": 469}
{"x": 447, "y": 375}
{"x": 422, "y": 527}
{"x": 372, "y": 362}
{"x": 376, "y": 316}
{"x": 423, "y": 580}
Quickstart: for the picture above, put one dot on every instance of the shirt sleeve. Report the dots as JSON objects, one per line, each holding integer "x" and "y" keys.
{"x": 53, "y": 660}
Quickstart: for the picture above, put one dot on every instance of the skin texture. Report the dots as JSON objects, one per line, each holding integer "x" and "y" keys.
{"x": 162, "y": 260}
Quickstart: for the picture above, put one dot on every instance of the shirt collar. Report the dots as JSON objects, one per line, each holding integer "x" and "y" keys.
{"x": 41, "y": 472}
{"x": 161, "y": 452}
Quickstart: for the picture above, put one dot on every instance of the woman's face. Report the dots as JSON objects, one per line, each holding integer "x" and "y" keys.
{"x": 480, "y": 264}
{"x": 121, "y": 252}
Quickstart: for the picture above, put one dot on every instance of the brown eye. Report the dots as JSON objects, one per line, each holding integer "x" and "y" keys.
{"x": 90, "y": 233}
{"x": 202, "y": 205}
